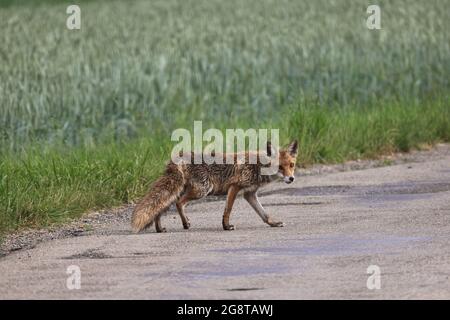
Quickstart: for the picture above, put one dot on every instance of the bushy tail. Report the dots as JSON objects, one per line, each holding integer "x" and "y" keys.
{"x": 162, "y": 194}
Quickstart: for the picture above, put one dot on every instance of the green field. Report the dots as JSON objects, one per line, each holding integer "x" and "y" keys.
{"x": 86, "y": 115}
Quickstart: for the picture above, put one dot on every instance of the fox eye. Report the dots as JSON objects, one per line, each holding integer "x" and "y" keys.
{"x": 291, "y": 165}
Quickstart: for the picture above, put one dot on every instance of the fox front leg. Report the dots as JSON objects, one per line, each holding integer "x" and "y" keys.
{"x": 252, "y": 198}
{"x": 231, "y": 196}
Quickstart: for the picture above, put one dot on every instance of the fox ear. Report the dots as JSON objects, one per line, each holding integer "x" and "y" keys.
{"x": 293, "y": 148}
{"x": 269, "y": 148}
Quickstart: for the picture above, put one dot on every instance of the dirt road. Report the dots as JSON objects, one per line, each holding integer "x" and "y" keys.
{"x": 337, "y": 224}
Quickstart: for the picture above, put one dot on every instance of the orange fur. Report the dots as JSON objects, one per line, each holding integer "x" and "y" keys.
{"x": 182, "y": 183}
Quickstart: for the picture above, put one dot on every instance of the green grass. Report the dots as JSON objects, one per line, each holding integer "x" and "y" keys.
{"x": 42, "y": 187}
{"x": 86, "y": 116}
{"x": 355, "y": 133}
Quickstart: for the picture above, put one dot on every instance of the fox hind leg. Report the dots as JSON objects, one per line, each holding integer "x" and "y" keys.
{"x": 158, "y": 226}
{"x": 180, "y": 208}
{"x": 190, "y": 194}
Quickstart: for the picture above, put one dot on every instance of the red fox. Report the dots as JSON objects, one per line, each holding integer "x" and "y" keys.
{"x": 184, "y": 182}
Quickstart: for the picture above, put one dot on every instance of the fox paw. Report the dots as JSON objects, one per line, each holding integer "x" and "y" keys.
{"x": 276, "y": 224}
{"x": 162, "y": 230}
{"x": 228, "y": 227}
{"x": 186, "y": 225}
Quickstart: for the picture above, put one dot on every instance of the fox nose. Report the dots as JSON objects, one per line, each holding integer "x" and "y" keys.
{"x": 291, "y": 179}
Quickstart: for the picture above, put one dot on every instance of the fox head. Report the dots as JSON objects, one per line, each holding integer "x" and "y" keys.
{"x": 286, "y": 161}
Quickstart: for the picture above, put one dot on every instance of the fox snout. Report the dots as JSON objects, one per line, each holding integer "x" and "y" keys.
{"x": 289, "y": 179}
